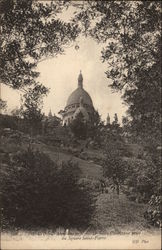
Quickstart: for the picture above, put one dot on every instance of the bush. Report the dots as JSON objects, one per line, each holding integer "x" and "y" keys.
{"x": 35, "y": 192}
{"x": 144, "y": 177}
{"x": 92, "y": 184}
{"x": 79, "y": 127}
{"x": 153, "y": 213}
{"x": 7, "y": 121}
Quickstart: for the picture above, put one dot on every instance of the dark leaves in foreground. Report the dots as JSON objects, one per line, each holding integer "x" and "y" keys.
{"x": 35, "y": 192}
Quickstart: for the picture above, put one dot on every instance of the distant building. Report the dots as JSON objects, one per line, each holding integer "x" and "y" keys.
{"x": 78, "y": 102}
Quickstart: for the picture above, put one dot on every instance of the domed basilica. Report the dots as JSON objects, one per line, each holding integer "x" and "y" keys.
{"x": 78, "y": 102}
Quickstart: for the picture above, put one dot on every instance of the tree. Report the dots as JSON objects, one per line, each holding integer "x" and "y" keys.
{"x": 79, "y": 126}
{"x": 144, "y": 177}
{"x": 131, "y": 33}
{"x": 31, "y": 107}
{"x": 30, "y": 31}
{"x": 36, "y": 192}
{"x": 8, "y": 121}
{"x": 114, "y": 166}
{"x": 94, "y": 125}
{"x": 51, "y": 123}
{"x": 16, "y": 112}
{"x": 3, "y": 105}
{"x": 115, "y": 122}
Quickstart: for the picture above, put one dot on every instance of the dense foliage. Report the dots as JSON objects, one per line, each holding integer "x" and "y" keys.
{"x": 114, "y": 167}
{"x": 143, "y": 179}
{"x": 130, "y": 33}
{"x": 3, "y": 105}
{"x": 35, "y": 192}
{"x": 30, "y": 30}
{"x": 94, "y": 127}
{"x": 83, "y": 129}
{"x": 79, "y": 127}
{"x": 154, "y": 213}
{"x": 31, "y": 108}
{"x": 7, "y": 121}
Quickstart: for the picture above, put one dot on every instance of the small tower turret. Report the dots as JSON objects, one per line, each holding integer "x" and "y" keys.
{"x": 108, "y": 119}
{"x": 50, "y": 113}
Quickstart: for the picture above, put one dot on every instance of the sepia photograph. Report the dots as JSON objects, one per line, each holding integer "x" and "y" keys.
{"x": 80, "y": 124}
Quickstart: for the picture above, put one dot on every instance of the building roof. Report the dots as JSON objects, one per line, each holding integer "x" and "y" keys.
{"x": 77, "y": 94}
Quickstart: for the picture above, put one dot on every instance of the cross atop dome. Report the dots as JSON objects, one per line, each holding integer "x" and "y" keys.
{"x": 80, "y": 80}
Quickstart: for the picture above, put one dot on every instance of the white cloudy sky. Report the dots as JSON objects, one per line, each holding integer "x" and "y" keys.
{"x": 60, "y": 75}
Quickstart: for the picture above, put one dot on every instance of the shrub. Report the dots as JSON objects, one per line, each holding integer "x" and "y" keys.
{"x": 7, "y": 121}
{"x": 79, "y": 127}
{"x": 153, "y": 213}
{"x": 35, "y": 192}
{"x": 89, "y": 183}
{"x": 144, "y": 177}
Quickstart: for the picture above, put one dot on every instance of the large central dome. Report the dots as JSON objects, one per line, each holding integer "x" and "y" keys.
{"x": 75, "y": 96}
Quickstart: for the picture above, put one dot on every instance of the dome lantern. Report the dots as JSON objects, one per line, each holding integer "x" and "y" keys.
{"x": 80, "y": 80}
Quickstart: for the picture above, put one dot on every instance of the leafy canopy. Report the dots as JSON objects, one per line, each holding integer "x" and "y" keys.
{"x": 130, "y": 31}
{"x": 36, "y": 192}
{"x": 30, "y": 31}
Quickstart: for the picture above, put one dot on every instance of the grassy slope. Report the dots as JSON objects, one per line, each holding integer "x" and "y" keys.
{"x": 118, "y": 214}
{"x": 89, "y": 169}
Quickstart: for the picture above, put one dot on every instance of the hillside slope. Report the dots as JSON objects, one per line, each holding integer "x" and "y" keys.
{"x": 117, "y": 214}
{"x": 113, "y": 213}
{"x": 11, "y": 144}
